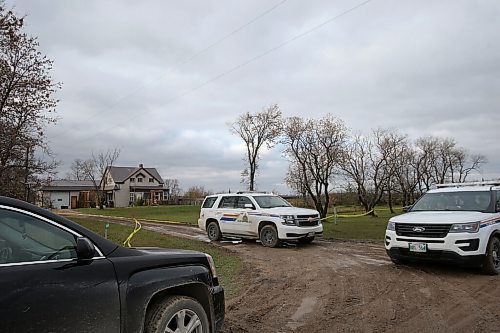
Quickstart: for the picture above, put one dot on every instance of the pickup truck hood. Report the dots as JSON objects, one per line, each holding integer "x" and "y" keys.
{"x": 168, "y": 252}
{"x": 441, "y": 217}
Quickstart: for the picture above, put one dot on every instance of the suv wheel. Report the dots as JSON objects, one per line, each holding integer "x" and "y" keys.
{"x": 213, "y": 231}
{"x": 177, "y": 314}
{"x": 492, "y": 260}
{"x": 269, "y": 236}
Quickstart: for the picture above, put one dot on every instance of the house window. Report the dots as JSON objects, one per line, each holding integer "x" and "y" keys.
{"x": 158, "y": 196}
{"x": 151, "y": 180}
{"x": 132, "y": 197}
{"x": 139, "y": 180}
{"x": 132, "y": 180}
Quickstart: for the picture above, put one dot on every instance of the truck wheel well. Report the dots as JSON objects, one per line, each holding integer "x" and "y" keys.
{"x": 264, "y": 223}
{"x": 496, "y": 234}
{"x": 210, "y": 220}
{"x": 197, "y": 291}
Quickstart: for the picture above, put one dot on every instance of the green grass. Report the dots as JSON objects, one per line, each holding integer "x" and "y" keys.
{"x": 359, "y": 228}
{"x": 182, "y": 213}
{"x": 228, "y": 265}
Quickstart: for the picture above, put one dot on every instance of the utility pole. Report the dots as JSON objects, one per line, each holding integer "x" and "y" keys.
{"x": 26, "y": 173}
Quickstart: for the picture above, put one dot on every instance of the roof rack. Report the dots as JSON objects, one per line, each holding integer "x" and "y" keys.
{"x": 254, "y": 192}
{"x": 484, "y": 183}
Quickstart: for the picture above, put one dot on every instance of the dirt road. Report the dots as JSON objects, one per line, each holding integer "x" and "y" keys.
{"x": 351, "y": 287}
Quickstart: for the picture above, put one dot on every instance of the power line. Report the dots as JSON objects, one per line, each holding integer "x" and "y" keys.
{"x": 261, "y": 55}
{"x": 190, "y": 58}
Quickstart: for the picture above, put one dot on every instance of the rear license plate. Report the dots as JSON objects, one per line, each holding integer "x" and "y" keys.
{"x": 310, "y": 234}
{"x": 418, "y": 247}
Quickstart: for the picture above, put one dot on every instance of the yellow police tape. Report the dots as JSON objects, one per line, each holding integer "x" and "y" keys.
{"x": 137, "y": 227}
{"x": 347, "y": 216}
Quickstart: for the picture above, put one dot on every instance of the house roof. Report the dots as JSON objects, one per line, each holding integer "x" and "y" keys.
{"x": 121, "y": 174}
{"x": 69, "y": 185}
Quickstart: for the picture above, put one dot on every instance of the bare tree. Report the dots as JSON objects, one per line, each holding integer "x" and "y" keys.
{"x": 366, "y": 167}
{"x": 77, "y": 170}
{"x": 27, "y": 106}
{"x": 406, "y": 174}
{"x": 296, "y": 180}
{"x": 196, "y": 192}
{"x": 392, "y": 147}
{"x": 315, "y": 148}
{"x": 441, "y": 161}
{"x": 173, "y": 187}
{"x": 94, "y": 169}
{"x": 257, "y": 130}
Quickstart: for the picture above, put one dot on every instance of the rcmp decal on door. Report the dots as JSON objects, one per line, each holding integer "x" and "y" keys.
{"x": 243, "y": 217}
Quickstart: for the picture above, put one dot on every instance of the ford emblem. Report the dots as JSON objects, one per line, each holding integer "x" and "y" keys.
{"x": 418, "y": 229}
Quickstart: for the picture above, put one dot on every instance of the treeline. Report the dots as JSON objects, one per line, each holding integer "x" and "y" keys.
{"x": 325, "y": 157}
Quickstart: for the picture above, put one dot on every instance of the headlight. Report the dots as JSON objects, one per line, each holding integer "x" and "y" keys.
{"x": 288, "y": 219}
{"x": 391, "y": 226}
{"x": 212, "y": 265}
{"x": 465, "y": 227}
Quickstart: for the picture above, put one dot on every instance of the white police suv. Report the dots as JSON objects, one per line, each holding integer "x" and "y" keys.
{"x": 455, "y": 222}
{"x": 263, "y": 216}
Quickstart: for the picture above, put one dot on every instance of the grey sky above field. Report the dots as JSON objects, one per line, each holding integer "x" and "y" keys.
{"x": 162, "y": 79}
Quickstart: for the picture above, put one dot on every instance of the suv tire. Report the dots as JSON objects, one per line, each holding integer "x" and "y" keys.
{"x": 492, "y": 259}
{"x": 269, "y": 236}
{"x": 177, "y": 313}
{"x": 213, "y": 231}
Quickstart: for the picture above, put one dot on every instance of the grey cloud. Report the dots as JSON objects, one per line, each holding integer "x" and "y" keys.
{"x": 131, "y": 81}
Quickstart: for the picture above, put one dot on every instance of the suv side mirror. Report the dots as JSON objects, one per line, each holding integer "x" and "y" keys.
{"x": 249, "y": 206}
{"x": 85, "y": 250}
{"x": 406, "y": 209}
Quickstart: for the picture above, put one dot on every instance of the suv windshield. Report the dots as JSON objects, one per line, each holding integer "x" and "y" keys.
{"x": 271, "y": 201}
{"x": 460, "y": 201}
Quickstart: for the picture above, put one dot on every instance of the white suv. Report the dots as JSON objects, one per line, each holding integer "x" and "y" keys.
{"x": 455, "y": 222}
{"x": 263, "y": 216}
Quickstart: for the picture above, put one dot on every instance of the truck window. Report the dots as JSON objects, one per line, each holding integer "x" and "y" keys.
{"x": 209, "y": 202}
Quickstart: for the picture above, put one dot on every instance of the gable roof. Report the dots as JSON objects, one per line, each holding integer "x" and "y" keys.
{"x": 121, "y": 174}
{"x": 69, "y": 185}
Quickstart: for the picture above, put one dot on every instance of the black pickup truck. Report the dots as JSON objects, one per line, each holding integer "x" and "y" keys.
{"x": 57, "y": 276}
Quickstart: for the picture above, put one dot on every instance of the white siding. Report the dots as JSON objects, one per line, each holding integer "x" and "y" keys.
{"x": 60, "y": 199}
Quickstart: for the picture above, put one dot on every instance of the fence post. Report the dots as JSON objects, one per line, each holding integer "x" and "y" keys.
{"x": 335, "y": 215}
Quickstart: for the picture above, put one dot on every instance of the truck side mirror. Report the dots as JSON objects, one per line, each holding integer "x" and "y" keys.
{"x": 85, "y": 250}
{"x": 249, "y": 206}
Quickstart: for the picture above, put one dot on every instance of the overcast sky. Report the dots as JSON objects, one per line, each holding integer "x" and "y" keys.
{"x": 162, "y": 79}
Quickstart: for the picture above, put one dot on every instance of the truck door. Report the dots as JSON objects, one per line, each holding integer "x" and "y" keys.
{"x": 45, "y": 287}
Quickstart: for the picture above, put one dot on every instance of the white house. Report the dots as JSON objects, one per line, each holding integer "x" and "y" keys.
{"x": 126, "y": 186}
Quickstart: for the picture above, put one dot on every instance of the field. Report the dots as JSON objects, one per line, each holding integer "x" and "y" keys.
{"x": 355, "y": 228}
{"x": 182, "y": 213}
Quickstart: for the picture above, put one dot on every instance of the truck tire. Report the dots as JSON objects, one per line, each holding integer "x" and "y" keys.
{"x": 491, "y": 263}
{"x": 269, "y": 236}
{"x": 213, "y": 231}
{"x": 177, "y": 314}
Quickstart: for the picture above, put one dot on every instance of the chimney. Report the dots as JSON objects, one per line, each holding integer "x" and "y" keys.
{"x": 141, "y": 165}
